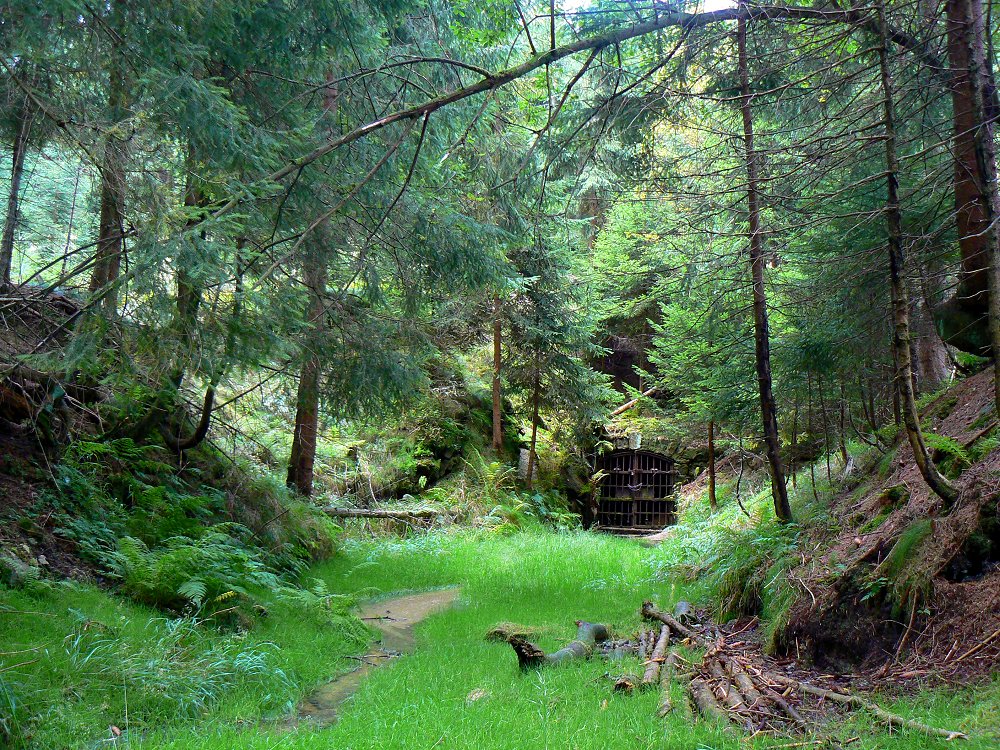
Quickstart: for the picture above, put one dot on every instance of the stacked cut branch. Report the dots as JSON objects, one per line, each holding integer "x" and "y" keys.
{"x": 732, "y": 683}
{"x": 730, "y": 686}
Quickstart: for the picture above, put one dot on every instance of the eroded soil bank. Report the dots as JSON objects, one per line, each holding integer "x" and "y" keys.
{"x": 395, "y": 619}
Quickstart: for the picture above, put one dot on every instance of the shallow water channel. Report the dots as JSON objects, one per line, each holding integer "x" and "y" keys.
{"x": 395, "y": 619}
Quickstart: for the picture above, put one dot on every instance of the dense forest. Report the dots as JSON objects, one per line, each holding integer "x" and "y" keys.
{"x": 662, "y": 332}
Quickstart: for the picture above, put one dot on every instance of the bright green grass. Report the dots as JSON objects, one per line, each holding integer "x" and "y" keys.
{"x": 422, "y": 700}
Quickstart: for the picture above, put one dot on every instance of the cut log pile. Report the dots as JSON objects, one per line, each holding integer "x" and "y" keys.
{"x": 733, "y": 683}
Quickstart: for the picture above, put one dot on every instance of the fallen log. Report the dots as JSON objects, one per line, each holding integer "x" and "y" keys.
{"x": 666, "y": 677}
{"x": 626, "y": 684}
{"x": 652, "y": 674}
{"x": 588, "y": 635}
{"x": 705, "y": 702}
{"x": 739, "y": 675}
{"x": 643, "y": 645}
{"x": 630, "y": 404}
{"x": 731, "y": 696}
{"x": 399, "y": 515}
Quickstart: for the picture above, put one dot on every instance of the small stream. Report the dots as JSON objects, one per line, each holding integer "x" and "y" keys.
{"x": 395, "y": 620}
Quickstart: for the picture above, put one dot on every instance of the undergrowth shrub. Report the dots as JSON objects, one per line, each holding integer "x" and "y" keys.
{"x": 747, "y": 564}
{"x": 329, "y": 609}
{"x": 900, "y": 576}
{"x": 11, "y": 716}
{"x": 188, "y": 575}
{"x": 527, "y": 510}
{"x": 949, "y": 454}
{"x": 984, "y": 447}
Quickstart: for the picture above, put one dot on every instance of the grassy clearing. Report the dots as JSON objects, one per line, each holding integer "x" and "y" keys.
{"x": 428, "y": 699}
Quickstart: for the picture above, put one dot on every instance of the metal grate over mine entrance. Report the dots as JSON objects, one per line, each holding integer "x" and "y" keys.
{"x": 635, "y": 494}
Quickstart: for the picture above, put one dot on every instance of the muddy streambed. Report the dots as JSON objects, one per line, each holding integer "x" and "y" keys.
{"x": 395, "y": 619}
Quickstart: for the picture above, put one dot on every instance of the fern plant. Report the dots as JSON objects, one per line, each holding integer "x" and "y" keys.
{"x": 191, "y": 575}
{"x": 949, "y": 454}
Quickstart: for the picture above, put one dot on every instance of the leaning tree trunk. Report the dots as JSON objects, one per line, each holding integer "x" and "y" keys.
{"x": 768, "y": 410}
{"x": 303, "y": 456}
{"x": 897, "y": 284}
{"x": 497, "y": 362}
{"x": 16, "y": 171}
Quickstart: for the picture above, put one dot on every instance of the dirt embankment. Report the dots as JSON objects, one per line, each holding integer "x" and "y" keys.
{"x": 908, "y": 584}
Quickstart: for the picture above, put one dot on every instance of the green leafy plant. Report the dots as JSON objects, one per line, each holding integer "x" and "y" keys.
{"x": 949, "y": 454}
{"x": 192, "y": 575}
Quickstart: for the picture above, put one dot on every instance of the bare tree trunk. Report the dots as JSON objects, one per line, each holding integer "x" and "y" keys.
{"x": 897, "y": 284}
{"x": 535, "y": 396}
{"x": 712, "y": 500}
{"x": 795, "y": 440}
{"x": 189, "y": 292}
{"x": 768, "y": 410}
{"x": 497, "y": 362}
{"x": 303, "y": 456}
{"x": 930, "y": 354}
{"x": 843, "y": 424}
{"x": 111, "y": 229}
{"x": 968, "y": 80}
{"x": 984, "y": 114}
{"x": 16, "y": 171}
{"x": 826, "y": 426}
{"x": 809, "y": 431}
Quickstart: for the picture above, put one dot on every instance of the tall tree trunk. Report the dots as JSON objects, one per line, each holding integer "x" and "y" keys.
{"x": 985, "y": 113}
{"x": 965, "y": 35}
{"x": 795, "y": 441}
{"x": 16, "y": 171}
{"x": 111, "y": 228}
{"x": 931, "y": 361}
{"x": 843, "y": 425}
{"x": 826, "y": 425}
{"x": 304, "y": 438}
{"x": 532, "y": 449}
{"x": 712, "y": 499}
{"x": 897, "y": 283}
{"x": 768, "y": 410}
{"x": 189, "y": 291}
{"x": 809, "y": 430}
{"x": 497, "y": 361}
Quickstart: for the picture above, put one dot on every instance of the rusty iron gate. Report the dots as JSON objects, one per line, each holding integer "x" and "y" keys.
{"x": 635, "y": 494}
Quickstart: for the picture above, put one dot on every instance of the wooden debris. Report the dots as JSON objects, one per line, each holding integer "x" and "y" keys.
{"x": 399, "y": 515}
{"x": 733, "y": 682}
{"x": 588, "y": 634}
{"x": 859, "y": 702}
{"x": 626, "y": 684}
{"x": 666, "y": 677}
{"x": 651, "y": 676}
{"x": 725, "y": 689}
{"x": 650, "y": 612}
{"x": 705, "y": 702}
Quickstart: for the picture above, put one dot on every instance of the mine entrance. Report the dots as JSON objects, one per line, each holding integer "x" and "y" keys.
{"x": 635, "y": 494}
